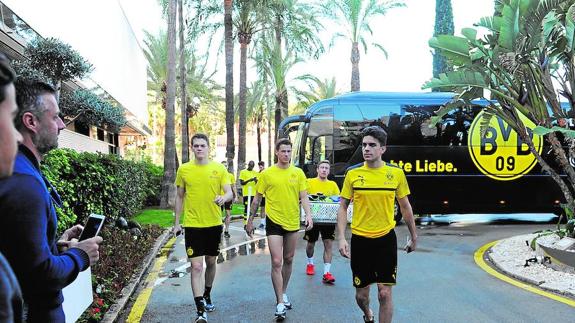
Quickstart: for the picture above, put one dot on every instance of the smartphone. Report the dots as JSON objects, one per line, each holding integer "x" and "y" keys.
{"x": 92, "y": 227}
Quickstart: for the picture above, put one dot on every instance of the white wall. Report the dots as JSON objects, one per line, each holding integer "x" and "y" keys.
{"x": 100, "y": 32}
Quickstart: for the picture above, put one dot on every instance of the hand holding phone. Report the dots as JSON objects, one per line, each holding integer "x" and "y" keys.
{"x": 408, "y": 248}
{"x": 92, "y": 227}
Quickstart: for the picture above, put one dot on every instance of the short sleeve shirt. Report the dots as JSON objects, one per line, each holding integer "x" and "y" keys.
{"x": 327, "y": 188}
{"x": 202, "y": 184}
{"x": 232, "y": 180}
{"x": 374, "y": 191}
{"x": 281, "y": 188}
{"x": 250, "y": 188}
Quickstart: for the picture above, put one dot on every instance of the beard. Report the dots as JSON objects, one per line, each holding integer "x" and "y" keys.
{"x": 45, "y": 141}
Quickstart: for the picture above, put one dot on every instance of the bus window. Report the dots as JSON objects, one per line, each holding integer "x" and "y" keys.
{"x": 319, "y": 141}
{"x": 296, "y": 148}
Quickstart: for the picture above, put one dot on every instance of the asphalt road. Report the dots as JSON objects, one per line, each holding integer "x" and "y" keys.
{"x": 440, "y": 282}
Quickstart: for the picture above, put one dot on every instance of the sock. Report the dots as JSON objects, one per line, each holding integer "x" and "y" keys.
{"x": 285, "y": 298}
{"x": 310, "y": 260}
{"x": 207, "y": 291}
{"x": 199, "y": 304}
{"x": 326, "y": 268}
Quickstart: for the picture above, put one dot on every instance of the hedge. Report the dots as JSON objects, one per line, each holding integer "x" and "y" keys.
{"x": 98, "y": 183}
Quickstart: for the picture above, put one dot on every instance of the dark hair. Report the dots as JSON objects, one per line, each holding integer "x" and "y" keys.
{"x": 283, "y": 141}
{"x": 7, "y": 75}
{"x": 376, "y": 132}
{"x": 261, "y": 163}
{"x": 29, "y": 98}
{"x": 200, "y": 136}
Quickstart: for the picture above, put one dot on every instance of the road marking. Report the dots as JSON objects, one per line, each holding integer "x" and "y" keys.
{"x": 481, "y": 263}
{"x": 142, "y": 300}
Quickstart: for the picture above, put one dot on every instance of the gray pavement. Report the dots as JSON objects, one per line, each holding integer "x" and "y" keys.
{"x": 438, "y": 283}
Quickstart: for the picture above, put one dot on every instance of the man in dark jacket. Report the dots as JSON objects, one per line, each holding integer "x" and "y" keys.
{"x": 28, "y": 220}
{"x": 10, "y": 294}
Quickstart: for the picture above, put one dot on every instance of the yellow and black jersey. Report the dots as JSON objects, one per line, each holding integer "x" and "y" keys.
{"x": 327, "y": 187}
{"x": 373, "y": 191}
{"x": 202, "y": 184}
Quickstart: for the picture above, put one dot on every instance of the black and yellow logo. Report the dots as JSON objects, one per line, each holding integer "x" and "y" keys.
{"x": 190, "y": 252}
{"x": 501, "y": 154}
{"x": 356, "y": 281}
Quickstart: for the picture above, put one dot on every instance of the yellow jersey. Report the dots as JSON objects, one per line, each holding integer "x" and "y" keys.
{"x": 232, "y": 179}
{"x": 202, "y": 184}
{"x": 281, "y": 188}
{"x": 327, "y": 187}
{"x": 250, "y": 188}
{"x": 374, "y": 191}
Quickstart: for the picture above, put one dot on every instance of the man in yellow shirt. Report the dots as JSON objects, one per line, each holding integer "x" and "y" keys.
{"x": 284, "y": 186}
{"x": 200, "y": 184}
{"x": 248, "y": 180}
{"x": 374, "y": 187}
{"x": 262, "y": 226}
{"x": 323, "y": 187}
{"x": 227, "y": 207}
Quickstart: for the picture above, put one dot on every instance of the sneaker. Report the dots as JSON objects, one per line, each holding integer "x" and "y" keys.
{"x": 371, "y": 319}
{"x": 287, "y": 303}
{"x": 227, "y": 234}
{"x": 208, "y": 304}
{"x": 202, "y": 317}
{"x": 261, "y": 226}
{"x": 328, "y": 278}
{"x": 310, "y": 269}
{"x": 280, "y": 312}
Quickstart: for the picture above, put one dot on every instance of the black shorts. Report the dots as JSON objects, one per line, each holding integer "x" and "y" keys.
{"x": 246, "y": 206}
{"x": 374, "y": 260}
{"x": 327, "y": 232}
{"x": 227, "y": 206}
{"x": 203, "y": 241}
{"x": 263, "y": 202}
{"x": 274, "y": 229}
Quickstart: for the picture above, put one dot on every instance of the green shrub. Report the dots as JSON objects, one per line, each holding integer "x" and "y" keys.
{"x": 97, "y": 183}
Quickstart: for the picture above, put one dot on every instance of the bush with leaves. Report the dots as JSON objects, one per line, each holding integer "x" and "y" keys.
{"x": 97, "y": 183}
{"x": 88, "y": 108}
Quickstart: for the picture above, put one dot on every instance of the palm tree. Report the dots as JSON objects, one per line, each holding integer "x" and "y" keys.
{"x": 255, "y": 110}
{"x": 296, "y": 23}
{"x": 443, "y": 26}
{"x": 168, "y": 188}
{"x": 247, "y": 23}
{"x": 317, "y": 90}
{"x": 229, "y": 53}
{"x": 354, "y": 16}
{"x": 276, "y": 65}
{"x": 183, "y": 94}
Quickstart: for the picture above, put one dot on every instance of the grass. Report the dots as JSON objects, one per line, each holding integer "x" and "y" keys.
{"x": 164, "y": 218}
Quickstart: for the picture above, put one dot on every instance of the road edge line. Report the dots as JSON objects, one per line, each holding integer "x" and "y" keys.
{"x": 478, "y": 256}
{"x": 141, "y": 302}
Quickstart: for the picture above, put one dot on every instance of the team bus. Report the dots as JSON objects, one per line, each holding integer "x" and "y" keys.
{"x": 449, "y": 166}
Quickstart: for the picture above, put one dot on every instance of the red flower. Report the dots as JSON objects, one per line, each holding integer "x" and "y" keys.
{"x": 95, "y": 310}
{"x": 99, "y": 302}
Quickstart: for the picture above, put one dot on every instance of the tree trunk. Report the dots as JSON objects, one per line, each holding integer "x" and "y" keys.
{"x": 168, "y": 187}
{"x": 355, "y": 67}
{"x": 278, "y": 116}
{"x": 242, "y": 104}
{"x": 229, "y": 52}
{"x": 183, "y": 94}
{"x": 269, "y": 117}
{"x": 259, "y": 135}
{"x": 278, "y": 33}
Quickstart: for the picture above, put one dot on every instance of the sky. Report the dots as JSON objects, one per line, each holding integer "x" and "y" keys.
{"x": 403, "y": 32}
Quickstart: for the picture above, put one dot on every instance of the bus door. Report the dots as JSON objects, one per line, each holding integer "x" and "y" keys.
{"x": 318, "y": 141}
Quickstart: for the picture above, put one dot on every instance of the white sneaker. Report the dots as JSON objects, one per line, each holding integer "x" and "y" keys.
{"x": 287, "y": 303}
{"x": 280, "y": 311}
{"x": 202, "y": 318}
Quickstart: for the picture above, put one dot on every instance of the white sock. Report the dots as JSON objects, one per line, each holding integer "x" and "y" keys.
{"x": 285, "y": 298}
{"x": 310, "y": 260}
{"x": 263, "y": 221}
{"x": 326, "y": 268}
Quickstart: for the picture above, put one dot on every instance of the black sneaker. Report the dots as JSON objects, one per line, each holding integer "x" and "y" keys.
{"x": 280, "y": 312}
{"x": 202, "y": 317}
{"x": 369, "y": 320}
{"x": 226, "y": 234}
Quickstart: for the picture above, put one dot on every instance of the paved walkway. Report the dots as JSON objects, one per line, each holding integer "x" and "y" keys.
{"x": 438, "y": 283}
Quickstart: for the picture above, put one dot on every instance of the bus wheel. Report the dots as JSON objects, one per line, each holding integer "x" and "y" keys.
{"x": 397, "y": 213}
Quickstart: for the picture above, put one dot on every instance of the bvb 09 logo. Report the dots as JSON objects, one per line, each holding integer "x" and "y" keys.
{"x": 501, "y": 154}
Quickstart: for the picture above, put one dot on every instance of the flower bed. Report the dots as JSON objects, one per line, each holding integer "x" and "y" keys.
{"x": 121, "y": 256}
